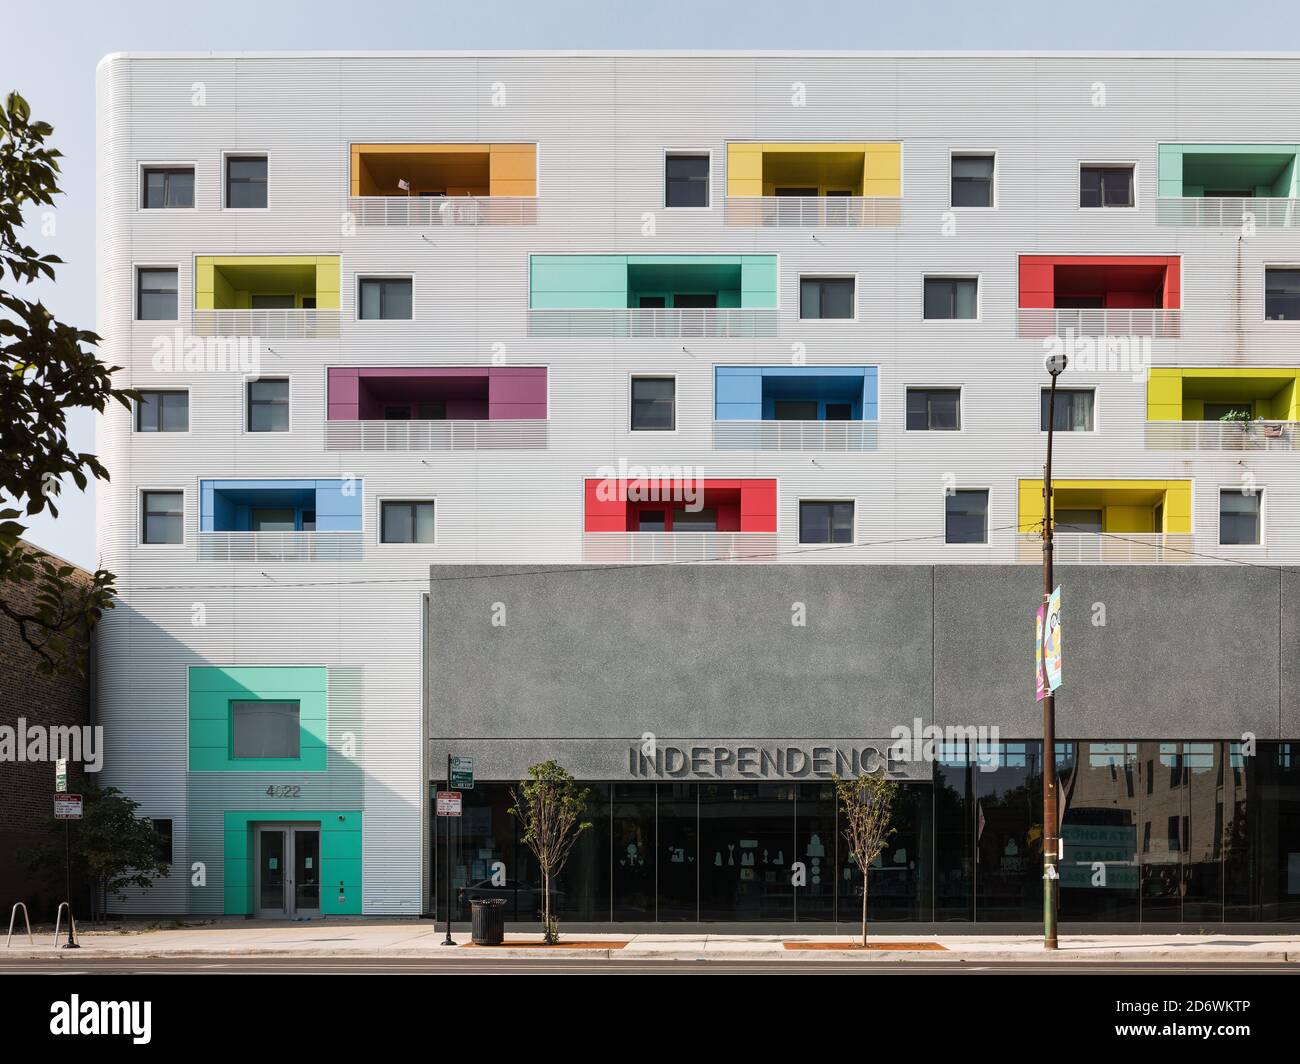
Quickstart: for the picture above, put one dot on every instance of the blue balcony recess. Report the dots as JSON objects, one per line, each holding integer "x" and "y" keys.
{"x": 795, "y": 408}
{"x": 315, "y": 505}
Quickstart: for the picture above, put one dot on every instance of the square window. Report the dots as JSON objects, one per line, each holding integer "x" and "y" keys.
{"x": 1106, "y": 186}
{"x": 1073, "y": 410}
{"x": 162, "y": 515}
{"x": 167, "y": 186}
{"x": 966, "y": 517}
{"x": 385, "y": 299}
{"x": 686, "y": 180}
{"x": 406, "y": 522}
{"x": 246, "y": 181}
{"x": 651, "y": 521}
{"x": 972, "y": 180}
{"x": 933, "y": 409}
{"x": 654, "y": 404}
{"x": 264, "y": 729}
{"x": 951, "y": 298}
{"x": 1239, "y": 518}
{"x": 825, "y": 522}
{"x": 1282, "y": 294}
{"x": 705, "y": 520}
{"x": 155, "y": 294}
{"x": 268, "y": 405}
{"x": 826, "y": 297}
{"x": 162, "y": 412}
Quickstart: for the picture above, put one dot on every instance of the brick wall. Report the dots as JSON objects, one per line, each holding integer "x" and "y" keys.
{"x": 27, "y": 789}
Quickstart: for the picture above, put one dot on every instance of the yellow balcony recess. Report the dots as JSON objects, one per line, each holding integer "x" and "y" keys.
{"x": 257, "y": 282}
{"x": 1203, "y": 394}
{"x": 1117, "y": 506}
{"x": 814, "y": 169}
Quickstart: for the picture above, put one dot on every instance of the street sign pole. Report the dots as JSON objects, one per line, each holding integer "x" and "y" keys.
{"x": 448, "y": 940}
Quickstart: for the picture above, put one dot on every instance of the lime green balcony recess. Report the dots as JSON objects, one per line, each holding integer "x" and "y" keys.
{"x": 1205, "y": 394}
{"x": 251, "y": 282}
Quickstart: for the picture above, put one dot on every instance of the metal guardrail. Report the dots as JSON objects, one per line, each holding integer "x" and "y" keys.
{"x": 279, "y": 546}
{"x": 1228, "y": 212}
{"x": 530, "y": 434}
{"x": 1223, "y": 436}
{"x": 806, "y": 212}
{"x": 1120, "y": 548}
{"x": 1033, "y": 323}
{"x": 269, "y": 324}
{"x": 678, "y": 546}
{"x": 434, "y": 211}
{"x": 633, "y": 322}
{"x": 819, "y": 436}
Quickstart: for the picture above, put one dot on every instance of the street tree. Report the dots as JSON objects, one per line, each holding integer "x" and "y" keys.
{"x": 550, "y": 806}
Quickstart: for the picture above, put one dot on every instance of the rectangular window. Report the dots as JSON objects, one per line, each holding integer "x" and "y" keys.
{"x": 705, "y": 520}
{"x": 825, "y": 522}
{"x": 264, "y": 729}
{"x": 246, "y": 181}
{"x": 972, "y": 180}
{"x": 696, "y": 300}
{"x": 826, "y": 297}
{"x": 162, "y": 412}
{"x": 654, "y": 404}
{"x": 1077, "y": 521}
{"x": 155, "y": 295}
{"x": 406, "y": 522}
{"x": 268, "y": 405}
{"x": 162, "y": 514}
{"x": 266, "y": 301}
{"x": 1282, "y": 294}
{"x": 951, "y": 297}
{"x": 163, "y": 829}
{"x": 966, "y": 517}
{"x": 933, "y": 409}
{"x": 385, "y": 299}
{"x": 686, "y": 180}
{"x": 167, "y": 186}
{"x": 650, "y": 521}
{"x": 1106, "y": 186}
{"x": 795, "y": 409}
{"x": 1073, "y": 412}
{"x": 1238, "y": 518}
{"x": 273, "y": 519}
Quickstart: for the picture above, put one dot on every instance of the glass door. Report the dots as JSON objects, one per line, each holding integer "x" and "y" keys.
{"x": 306, "y": 872}
{"x": 288, "y": 871}
{"x": 271, "y": 878}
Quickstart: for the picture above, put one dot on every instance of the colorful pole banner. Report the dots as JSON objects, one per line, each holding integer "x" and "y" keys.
{"x": 1052, "y": 640}
{"x": 1039, "y": 677}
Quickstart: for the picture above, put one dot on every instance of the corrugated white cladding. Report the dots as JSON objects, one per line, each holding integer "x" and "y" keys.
{"x": 602, "y": 125}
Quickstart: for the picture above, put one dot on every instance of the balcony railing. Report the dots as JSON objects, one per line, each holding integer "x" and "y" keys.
{"x": 513, "y": 435}
{"x": 1228, "y": 212}
{"x": 433, "y": 211}
{"x": 1119, "y": 548}
{"x": 619, "y": 322}
{"x": 279, "y": 546}
{"x": 806, "y": 212}
{"x": 1034, "y": 323}
{"x": 796, "y": 436}
{"x": 1222, "y": 436}
{"x": 268, "y": 324}
{"x": 678, "y": 546}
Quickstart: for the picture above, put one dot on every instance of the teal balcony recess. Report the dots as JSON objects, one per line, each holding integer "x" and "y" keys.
{"x": 1219, "y": 184}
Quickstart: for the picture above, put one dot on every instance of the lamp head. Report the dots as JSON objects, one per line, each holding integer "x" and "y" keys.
{"x": 1055, "y": 362}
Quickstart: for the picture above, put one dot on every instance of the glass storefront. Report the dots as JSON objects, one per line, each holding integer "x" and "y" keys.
{"x": 1167, "y": 832}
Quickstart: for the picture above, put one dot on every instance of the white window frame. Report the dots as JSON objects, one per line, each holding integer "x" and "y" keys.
{"x": 153, "y": 489}
{"x": 1273, "y": 323}
{"x": 798, "y": 520}
{"x": 988, "y": 517}
{"x": 407, "y": 498}
{"x": 144, "y": 165}
{"x": 136, "y": 267}
{"x": 663, "y": 199}
{"x": 1259, "y": 490}
{"x": 251, "y": 153}
{"x": 1096, "y": 407}
{"x": 954, "y": 275}
{"x": 247, "y": 383}
{"x": 173, "y": 389}
{"x": 953, "y": 153}
{"x": 960, "y": 389}
{"x": 827, "y": 275}
{"x": 1114, "y": 164}
{"x": 641, "y": 374}
{"x": 360, "y": 276}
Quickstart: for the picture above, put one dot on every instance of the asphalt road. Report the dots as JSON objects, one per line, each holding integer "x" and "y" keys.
{"x": 487, "y": 966}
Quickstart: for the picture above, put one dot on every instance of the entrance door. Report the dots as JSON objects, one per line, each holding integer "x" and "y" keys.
{"x": 288, "y": 871}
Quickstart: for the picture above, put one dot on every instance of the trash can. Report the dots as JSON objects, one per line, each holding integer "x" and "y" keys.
{"x": 487, "y": 921}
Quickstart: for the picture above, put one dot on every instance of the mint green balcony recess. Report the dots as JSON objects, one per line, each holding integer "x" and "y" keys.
{"x": 607, "y": 282}
{"x": 340, "y": 857}
{"x": 213, "y": 689}
{"x": 1228, "y": 170}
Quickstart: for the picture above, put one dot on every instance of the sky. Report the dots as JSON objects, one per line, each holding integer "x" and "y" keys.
{"x": 51, "y": 61}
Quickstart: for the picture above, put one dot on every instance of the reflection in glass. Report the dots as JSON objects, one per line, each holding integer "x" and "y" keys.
{"x": 1099, "y": 800}
{"x": 633, "y": 857}
{"x": 678, "y": 851}
{"x": 746, "y": 847}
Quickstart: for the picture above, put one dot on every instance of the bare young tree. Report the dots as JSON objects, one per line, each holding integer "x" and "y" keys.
{"x": 550, "y": 806}
{"x": 867, "y": 807}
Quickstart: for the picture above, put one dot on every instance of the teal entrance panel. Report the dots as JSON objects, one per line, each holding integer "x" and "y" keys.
{"x": 340, "y": 857}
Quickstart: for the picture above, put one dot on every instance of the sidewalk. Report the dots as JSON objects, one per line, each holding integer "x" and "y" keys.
{"x": 402, "y": 938}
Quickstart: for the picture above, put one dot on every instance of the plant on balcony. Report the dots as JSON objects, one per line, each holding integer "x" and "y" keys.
{"x": 550, "y": 806}
{"x": 867, "y": 806}
{"x": 46, "y": 369}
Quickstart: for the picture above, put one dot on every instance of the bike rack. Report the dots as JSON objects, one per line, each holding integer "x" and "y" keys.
{"x": 13, "y": 915}
{"x": 72, "y": 922}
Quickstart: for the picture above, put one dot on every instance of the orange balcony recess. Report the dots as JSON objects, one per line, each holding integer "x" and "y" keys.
{"x": 444, "y": 184}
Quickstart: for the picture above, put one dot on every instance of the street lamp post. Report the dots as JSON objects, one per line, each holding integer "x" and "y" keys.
{"x": 1055, "y": 365}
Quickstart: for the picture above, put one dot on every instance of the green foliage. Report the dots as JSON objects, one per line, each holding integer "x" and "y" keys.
{"x": 550, "y": 805}
{"x": 45, "y": 371}
{"x": 111, "y": 847}
{"x": 866, "y": 805}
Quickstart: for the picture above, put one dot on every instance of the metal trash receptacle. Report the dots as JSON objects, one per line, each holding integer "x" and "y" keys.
{"x": 487, "y": 921}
